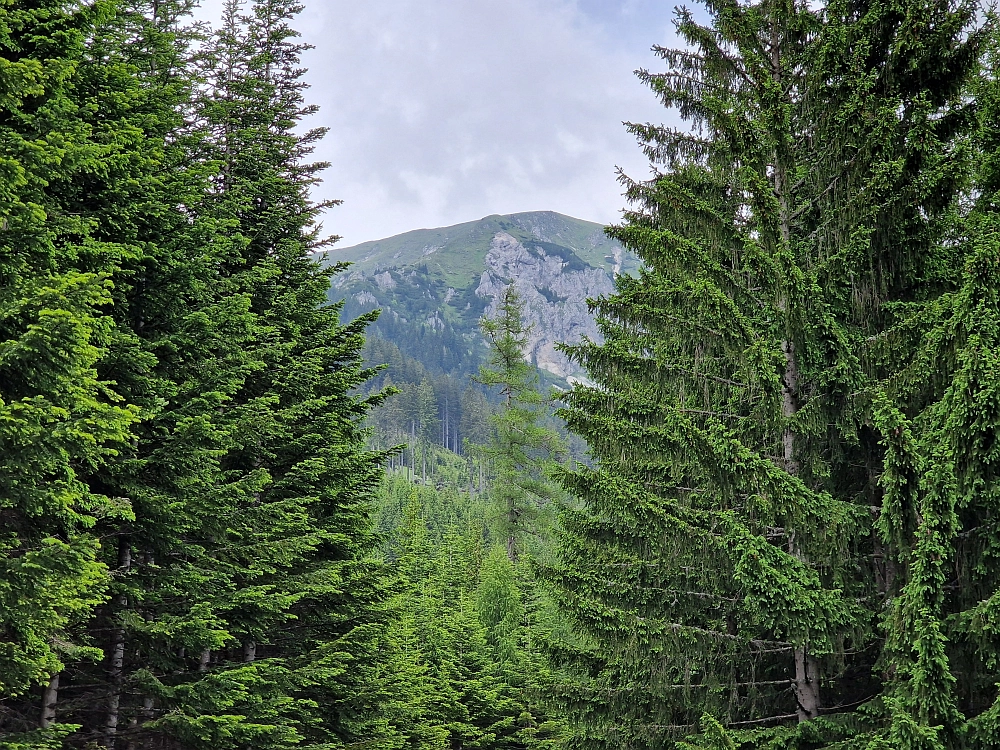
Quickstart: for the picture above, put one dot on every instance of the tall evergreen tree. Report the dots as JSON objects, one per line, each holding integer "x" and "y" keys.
{"x": 721, "y": 562}
{"x": 520, "y": 450}
{"x": 75, "y": 133}
{"x": 181, "y": 329}
{"x": 936, "y": 410}
{"x": 302, "y": 604}
{"x": 246, "y": 481}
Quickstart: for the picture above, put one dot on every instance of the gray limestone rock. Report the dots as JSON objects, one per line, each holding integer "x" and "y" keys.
{"x": 555, "y": 298}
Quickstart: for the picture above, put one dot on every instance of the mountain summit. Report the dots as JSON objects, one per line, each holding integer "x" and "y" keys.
{"x": 433, "y": 285}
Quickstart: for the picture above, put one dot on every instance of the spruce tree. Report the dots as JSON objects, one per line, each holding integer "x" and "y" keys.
{"x": 936, "y": 410}
{"x": 246, "y": 489}
{"x": 179, "y": 350}
{"x": 721, "y": 563}
{"x": 300, "y": 610}
{"x": 72, "y": 159}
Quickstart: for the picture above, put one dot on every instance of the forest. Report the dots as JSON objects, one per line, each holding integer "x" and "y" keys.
{"x": 769, "y": 519}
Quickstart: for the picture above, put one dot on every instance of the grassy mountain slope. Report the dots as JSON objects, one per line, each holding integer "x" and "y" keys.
{"x": 457, "y": 253}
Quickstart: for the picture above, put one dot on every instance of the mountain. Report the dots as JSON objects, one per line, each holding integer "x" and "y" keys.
{"x": 433, "y": 286}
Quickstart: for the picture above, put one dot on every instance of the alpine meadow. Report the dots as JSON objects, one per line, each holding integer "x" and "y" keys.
{"x": 724, "y": 475}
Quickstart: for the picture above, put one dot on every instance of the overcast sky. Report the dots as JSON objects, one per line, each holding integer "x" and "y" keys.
{"x": 443, "y": 111}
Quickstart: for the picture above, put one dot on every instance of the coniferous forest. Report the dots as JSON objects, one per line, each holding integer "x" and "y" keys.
{"x": 768, "y": 519}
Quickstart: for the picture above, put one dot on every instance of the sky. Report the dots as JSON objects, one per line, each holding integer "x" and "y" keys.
{"x": 444, "y": 111}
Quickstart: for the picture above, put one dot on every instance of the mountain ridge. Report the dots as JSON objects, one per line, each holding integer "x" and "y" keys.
{"x": 433, "y": 286}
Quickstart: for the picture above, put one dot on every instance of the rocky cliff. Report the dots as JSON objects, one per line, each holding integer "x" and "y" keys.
{"x": 434, "y": 285}
{"x": 554, "y": 295}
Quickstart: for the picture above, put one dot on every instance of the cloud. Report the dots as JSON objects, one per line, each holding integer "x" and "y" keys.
{"x": 441, "y": 111}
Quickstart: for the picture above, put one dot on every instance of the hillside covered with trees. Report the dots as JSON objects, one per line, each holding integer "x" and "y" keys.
{"x": 764, "y": 517}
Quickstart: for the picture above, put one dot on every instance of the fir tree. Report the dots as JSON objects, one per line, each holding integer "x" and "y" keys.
{"x": 182, "y": 328}
{"x": 302, "y": 613}
{"x": 73, "y": 154}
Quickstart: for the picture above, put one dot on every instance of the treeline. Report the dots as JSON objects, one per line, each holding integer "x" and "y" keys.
{"x": 186, "y": 557}
{"x": 416, "y": 323}
{"x": 429, "y": 409}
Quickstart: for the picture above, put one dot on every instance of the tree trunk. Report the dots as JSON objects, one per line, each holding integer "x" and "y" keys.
{"x": 806, "y": 685}
{"x": 807, "y": 679}
{"x": 116, "y": 666}
{"x": 146, "y": 714}
{"x": 49, "y": 699}
{"x": 807, "y": 682}
{"x": 249, "y": 651}
{"x": 512, "y": 534}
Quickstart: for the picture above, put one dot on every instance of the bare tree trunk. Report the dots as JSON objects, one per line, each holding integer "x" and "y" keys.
{"x": 146, "y": 714}
{"x": 512, "y": 534}
{"x": 50, "y": 697}
{"x": 206, "y": 657}
{"x": 249, "y": 651}
{"x": 116, "y": 666}
{"x": 806, "y": 685}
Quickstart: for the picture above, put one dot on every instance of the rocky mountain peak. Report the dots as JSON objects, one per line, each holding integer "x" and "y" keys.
{"x": 433, "y": 286}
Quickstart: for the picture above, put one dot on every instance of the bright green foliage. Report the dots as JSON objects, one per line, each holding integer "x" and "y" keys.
{"x": 239, "y": 503}
{"x": 786, "y": 537}
{"x": 179, "y": 351}
{"x": 458, "y": 670}
{"x": 59, "y": 417}
{"x": 938, "y": 413}
{"x": 267, "y": 616}
{"x": 723, "y": 561}
{"x": 520, "y": 449}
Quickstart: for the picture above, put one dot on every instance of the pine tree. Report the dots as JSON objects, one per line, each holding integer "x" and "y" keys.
{"x": 721, "y": 562}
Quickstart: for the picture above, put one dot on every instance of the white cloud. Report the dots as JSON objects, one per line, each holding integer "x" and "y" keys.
{"x": 443, "y": 111}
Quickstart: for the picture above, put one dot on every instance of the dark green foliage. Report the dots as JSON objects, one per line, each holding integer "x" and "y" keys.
{"x": 724, "y": 560}
{"x": 937, "y": 411}
{"x": 160, "y": 229}
{"x": 267, "y": 646}
{"x": 785, "y": 533}
{"x": 62, "y": 418}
